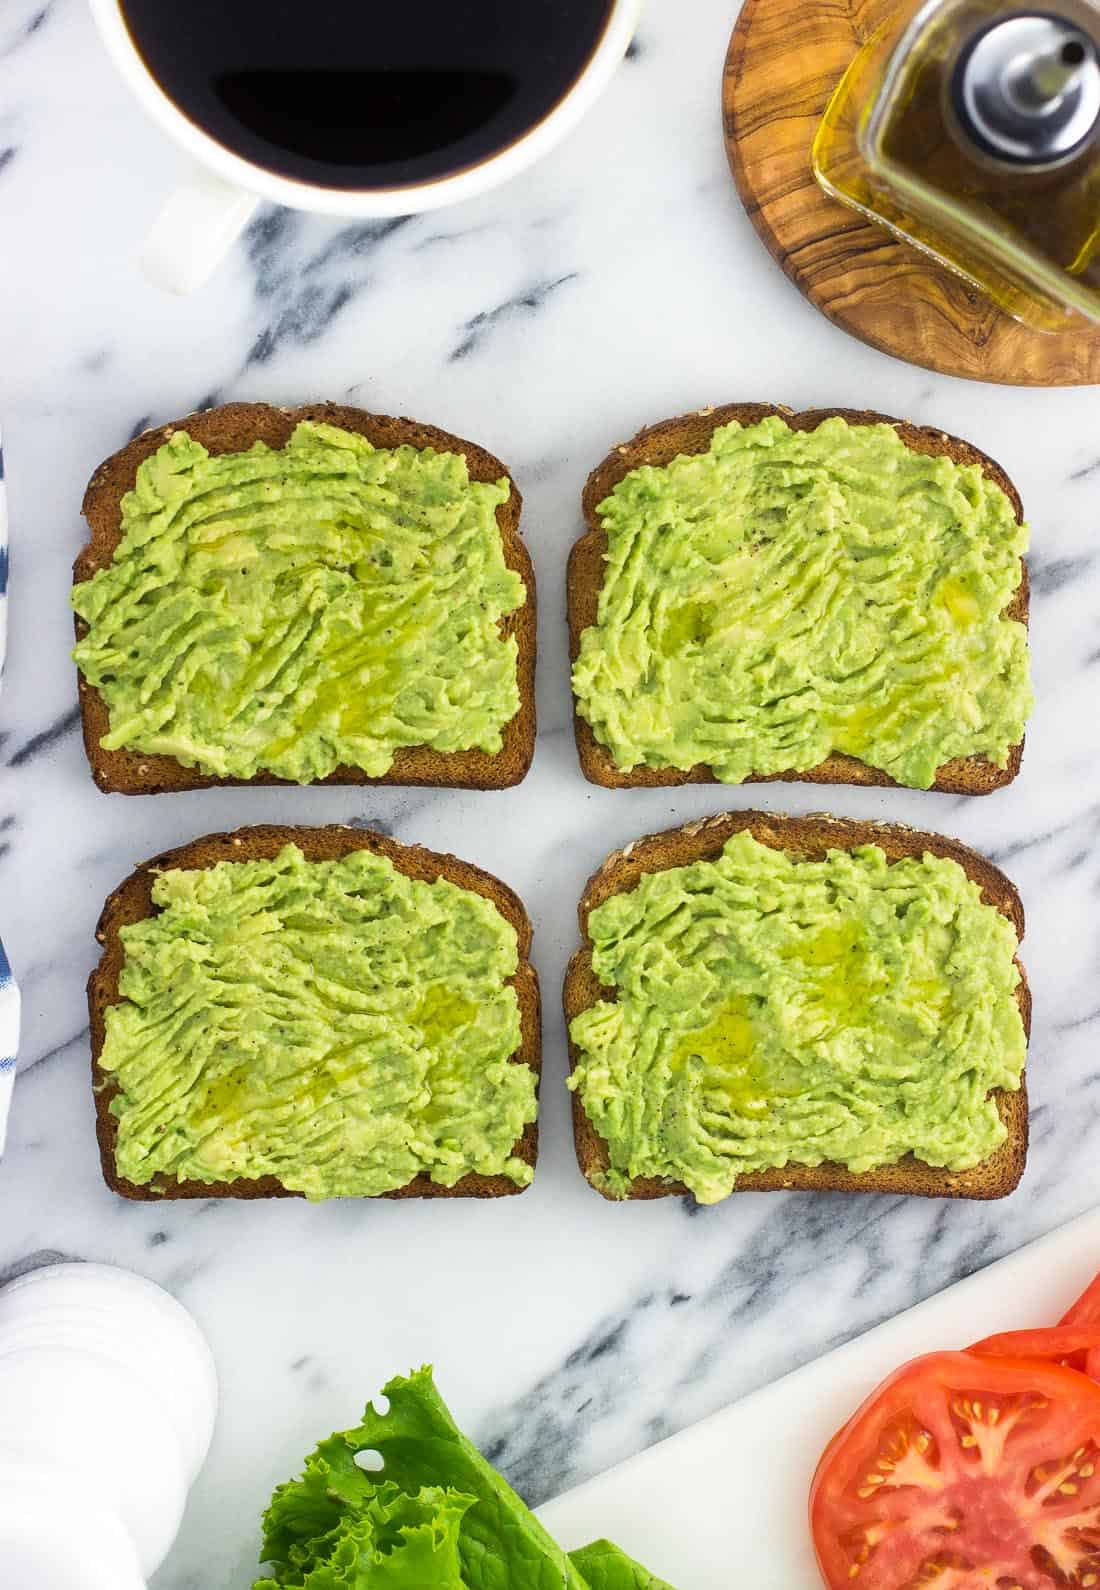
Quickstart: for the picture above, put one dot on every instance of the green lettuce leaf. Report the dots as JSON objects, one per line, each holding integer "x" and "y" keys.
{"x": 393, "y": 1541}
{"x": 434, "y": 1516}
{"x": 605, "y": 1567}
{"x": 501, "y": 1545}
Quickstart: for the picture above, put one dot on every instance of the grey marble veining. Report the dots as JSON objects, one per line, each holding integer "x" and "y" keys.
{"x": 616, "y": 284}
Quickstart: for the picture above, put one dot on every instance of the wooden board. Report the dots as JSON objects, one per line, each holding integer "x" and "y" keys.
{"x": 785, "y": 59}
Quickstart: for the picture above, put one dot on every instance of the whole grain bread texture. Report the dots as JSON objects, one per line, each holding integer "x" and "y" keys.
{"x": 658, "y": 445}
{"x": 133, "y": 900}
{"x": 809, "y": 839}
{"x": 233, "y": 429}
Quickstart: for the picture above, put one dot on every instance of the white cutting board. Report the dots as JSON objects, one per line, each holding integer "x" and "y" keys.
{"x": 722, "y": 1505}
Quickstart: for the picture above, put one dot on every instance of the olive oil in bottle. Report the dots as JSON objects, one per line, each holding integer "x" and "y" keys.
{"x": 972, "y": 130}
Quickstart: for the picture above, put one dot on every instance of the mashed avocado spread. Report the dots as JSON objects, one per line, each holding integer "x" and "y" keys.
{"x": 294, "y": 609}
{"x": 788, "y": 594}
{"x": 335, "y": 1024}
{"x": 773, "y": 1011}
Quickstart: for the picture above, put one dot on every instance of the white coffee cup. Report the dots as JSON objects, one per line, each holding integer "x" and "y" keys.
{"x": 206, "y": 214}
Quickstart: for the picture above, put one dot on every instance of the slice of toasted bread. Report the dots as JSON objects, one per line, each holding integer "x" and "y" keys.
{"x": 691, "y": 433}
{"x": 133, "y": 900}
{"x": 808, "y": 839}
{"x": 233, "y": 429}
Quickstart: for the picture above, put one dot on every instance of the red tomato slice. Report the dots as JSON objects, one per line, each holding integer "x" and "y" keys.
{"x": 1086, "y": 1310}
{"x": 1077, "y": 1347}
{"x": 964, "y": 1473}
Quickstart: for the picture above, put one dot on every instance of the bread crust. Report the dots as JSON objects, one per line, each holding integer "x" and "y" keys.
{"x": 132, "y": 901}
{"x": 689, "y": 434}
{"x": 807, "y": 838}
{"x": 233, "y": 428}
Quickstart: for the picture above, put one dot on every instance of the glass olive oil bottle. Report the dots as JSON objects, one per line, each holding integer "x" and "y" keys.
{"x": 972, "y": 130}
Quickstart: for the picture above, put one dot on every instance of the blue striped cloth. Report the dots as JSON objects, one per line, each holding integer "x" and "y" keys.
{"x": 9, "y": 993}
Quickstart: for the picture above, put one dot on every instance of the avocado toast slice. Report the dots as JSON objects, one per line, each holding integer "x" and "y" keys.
{"x": 234, "y": 429}
{"x": 133, "y": 903}
{"x": 802, "y": 839}
{"x": 691, "y": 434}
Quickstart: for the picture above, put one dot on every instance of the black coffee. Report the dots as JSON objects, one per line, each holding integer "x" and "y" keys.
{"x": 366, "y": 93}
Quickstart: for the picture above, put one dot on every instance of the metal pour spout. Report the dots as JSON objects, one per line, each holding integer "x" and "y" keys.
{"x": 1026, "y": 89}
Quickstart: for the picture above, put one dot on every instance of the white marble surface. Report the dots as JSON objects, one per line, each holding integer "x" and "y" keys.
{"x": 616, "y": 284}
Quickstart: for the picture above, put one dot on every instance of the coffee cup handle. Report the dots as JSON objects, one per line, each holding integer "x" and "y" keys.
{"x": 195, "y": 230}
